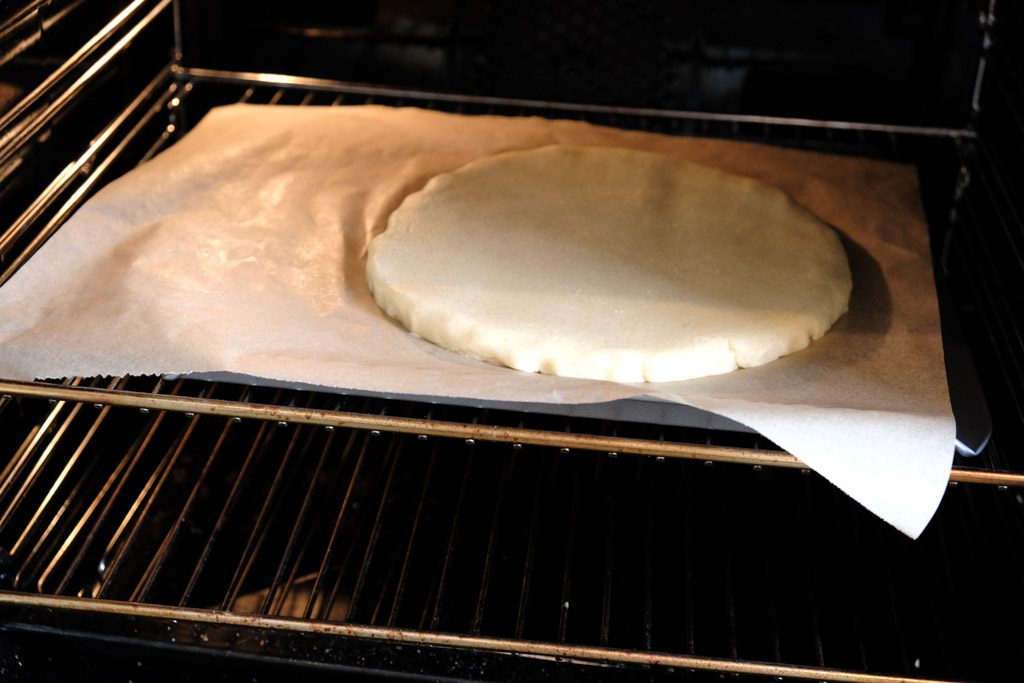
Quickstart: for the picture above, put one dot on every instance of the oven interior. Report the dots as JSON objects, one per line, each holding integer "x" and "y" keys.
{"x": 162, "y": 528}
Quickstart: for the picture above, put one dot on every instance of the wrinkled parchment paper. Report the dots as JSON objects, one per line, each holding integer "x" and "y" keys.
{"x": 242, "y": 249}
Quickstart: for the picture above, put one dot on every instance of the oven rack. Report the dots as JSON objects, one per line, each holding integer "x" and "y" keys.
{"x": 163, "y": 110}
{"x": 198, "y": 526}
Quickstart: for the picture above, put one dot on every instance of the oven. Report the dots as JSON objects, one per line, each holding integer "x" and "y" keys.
{"x": 157, "y": 528}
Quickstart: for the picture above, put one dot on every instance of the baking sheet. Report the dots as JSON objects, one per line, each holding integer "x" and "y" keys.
{"x": 242, "y": 249}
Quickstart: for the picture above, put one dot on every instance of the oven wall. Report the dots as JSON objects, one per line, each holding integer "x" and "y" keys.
{"x": 894, "y": 61}
{"x": 983, "y": 255}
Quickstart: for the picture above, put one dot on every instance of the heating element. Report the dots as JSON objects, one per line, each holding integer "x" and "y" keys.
{"x": 169, "y": 520}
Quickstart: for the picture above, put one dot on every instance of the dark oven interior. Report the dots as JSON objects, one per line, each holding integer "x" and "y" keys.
{"x": 162, "y": 528}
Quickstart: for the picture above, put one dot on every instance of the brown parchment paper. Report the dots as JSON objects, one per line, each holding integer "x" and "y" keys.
{"x": 242, "y": 249}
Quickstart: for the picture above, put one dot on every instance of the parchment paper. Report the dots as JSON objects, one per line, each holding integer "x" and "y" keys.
{"x": 242, "y": 249}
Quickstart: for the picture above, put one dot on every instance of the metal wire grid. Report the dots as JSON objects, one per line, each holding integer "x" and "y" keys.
{"x": 527, "y": 544}
{"x": 165, "y": 108}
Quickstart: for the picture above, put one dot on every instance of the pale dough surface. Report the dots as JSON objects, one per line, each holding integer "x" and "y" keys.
{"x": 607, "y": 263}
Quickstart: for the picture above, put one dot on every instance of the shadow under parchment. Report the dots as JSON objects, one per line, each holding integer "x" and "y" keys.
{"x": 870, "y": 302}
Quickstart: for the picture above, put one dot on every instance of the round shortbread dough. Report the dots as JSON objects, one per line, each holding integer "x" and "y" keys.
{"x": 609, "y": 264}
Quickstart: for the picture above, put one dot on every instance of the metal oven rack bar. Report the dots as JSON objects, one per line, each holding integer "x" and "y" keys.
{"x": 462, "y": 430}
{"x": 561, "y": 651}
{"x": 573, "y": 109}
